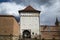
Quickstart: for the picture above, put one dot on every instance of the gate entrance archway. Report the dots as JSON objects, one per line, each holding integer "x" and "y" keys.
{"x": 26, "y": 34}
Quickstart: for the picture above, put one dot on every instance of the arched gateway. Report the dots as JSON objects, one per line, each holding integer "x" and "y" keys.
{"x": 29, "y": 19}
{"x": 26, "y": 34}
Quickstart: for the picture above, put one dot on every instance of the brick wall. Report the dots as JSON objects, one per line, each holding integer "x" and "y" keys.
{"x": 8, "y": 27}
{"x": 50, "y": 32}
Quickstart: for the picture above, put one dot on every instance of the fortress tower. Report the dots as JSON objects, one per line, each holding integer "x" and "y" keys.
{"x": 29, "y": 22}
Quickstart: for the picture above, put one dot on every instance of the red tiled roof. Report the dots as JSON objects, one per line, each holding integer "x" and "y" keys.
{"x": 29, "y": 9}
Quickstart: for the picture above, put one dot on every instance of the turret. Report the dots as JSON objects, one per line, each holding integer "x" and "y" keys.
{"x": 57, "y": 22}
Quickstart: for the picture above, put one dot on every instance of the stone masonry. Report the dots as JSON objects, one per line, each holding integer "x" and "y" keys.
{"x": 9, "y": 28}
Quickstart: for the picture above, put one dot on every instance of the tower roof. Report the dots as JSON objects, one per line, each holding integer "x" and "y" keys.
{"x": 57, "y": 22}
{"x": 29, "y": 9}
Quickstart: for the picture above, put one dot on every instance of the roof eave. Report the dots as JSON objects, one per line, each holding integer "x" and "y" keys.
{"x": 29, "y": 11}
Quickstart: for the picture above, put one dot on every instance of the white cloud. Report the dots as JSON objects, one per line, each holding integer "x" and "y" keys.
{"x": 49, "y": 13}
{"x": 49, "y": 9}
{"x": 10, "y": 8}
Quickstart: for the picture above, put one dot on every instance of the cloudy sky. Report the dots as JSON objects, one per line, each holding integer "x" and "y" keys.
{"x": 50, "y": 9}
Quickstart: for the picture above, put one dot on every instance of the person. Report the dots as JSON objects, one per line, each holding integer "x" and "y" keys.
{"x": 36, "y": 36}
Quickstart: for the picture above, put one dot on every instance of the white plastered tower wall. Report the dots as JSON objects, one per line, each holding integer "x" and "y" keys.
{"x": 30, "y": 20}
